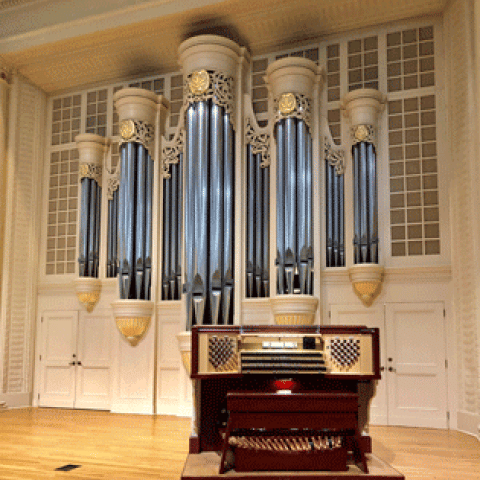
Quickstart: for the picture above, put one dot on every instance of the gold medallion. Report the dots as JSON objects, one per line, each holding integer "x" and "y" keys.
{"x": 84, "y": 170}
{"x": 287, "y": 103}
{"x": 361, "y": 133}
{"x": 199, "y": 82}
{"x": 127, "y": 129}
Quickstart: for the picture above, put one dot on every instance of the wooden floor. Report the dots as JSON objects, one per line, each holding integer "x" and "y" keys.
{"x": 34, "y": 442}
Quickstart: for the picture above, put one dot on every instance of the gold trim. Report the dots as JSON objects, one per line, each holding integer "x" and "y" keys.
{"x": 199, "y": 82}
{"x": 361, "y": 132}
{"x": 287, "y": 103}
{"x": 133, "y": 329}
{"x": 367, "y": 291}
{"x": 127, "y": 129}
{"x": 89, "y": 299}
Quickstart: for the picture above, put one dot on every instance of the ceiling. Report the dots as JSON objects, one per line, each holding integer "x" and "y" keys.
{"x": 91, "y": 47}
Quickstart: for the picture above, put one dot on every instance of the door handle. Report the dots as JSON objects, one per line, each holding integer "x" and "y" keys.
{"x": 79, "y": 363}
{"x": 72, "y": 363}
{"x": 382, "y": 369}
{"x": 391, "y": 369}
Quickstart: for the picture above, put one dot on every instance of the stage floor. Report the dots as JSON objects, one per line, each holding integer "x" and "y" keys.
{"x": 206, "y": 465}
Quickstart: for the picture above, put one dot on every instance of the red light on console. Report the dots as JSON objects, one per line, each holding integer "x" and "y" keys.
{"x": 284, "y": 384}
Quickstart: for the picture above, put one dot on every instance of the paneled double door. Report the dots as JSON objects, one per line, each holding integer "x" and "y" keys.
{"x": 413, "y": 388}
{"x": 75, "y": 360}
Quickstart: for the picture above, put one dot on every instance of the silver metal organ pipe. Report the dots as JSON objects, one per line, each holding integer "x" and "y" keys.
{"x": 149, "y": 224}
{"x": 122, "y": 220}
{"x": 84, "y": 223}
{"x": 97, "y": 229}
{"x": 200, "y": 280}
{"x": 301, "y": 253}
{"x": 336, "y": 219}
{"x": 91, "y": 228}
{"x": 280, "y": 207}
{"x": 259, "y": 226}
{"x": 110, "y": 239}
{"x": 175, "y": 238}
{"x": 216, "y": 209}
{"x": 130, "y": 218}
{"x": 114, "y": 255}
{"x": 329, "y": 213}
{"x": 250, "y": 220}
{"x": 166, "y": 238}
{"x": 229, "y": 224}
{"x": 266, "y": 231}
{"x": 309, "y": 213}
{"x": 356, "y": 202}
{"x": 341, "y": 239}
{"x": 178, "y": 265}
{"x": 363, "y": 204}
{"x": 372, "y": 203}
{"x": 290, "y": 202}
{"x": 191, "y": 137}
{"x": 140, "y": 221}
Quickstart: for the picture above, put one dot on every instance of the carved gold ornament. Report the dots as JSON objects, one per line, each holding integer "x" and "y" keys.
{"x": 88, "y": 300}
{"x": 133, "y": 329}
{"x": 361, "y": 133}
{"x": 287, "y": 103}
{"x": 199, "y": 82}
{"x": 127, "y": 129}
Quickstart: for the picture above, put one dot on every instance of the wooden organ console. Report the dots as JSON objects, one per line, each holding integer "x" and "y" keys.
{"x": 270, "y": 398}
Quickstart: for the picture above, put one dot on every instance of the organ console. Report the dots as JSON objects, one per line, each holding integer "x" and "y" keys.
{"x": 267, "y": 395}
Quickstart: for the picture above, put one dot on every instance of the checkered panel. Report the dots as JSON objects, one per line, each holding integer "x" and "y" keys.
{"x": 222, "y": 353}
{"x": 345, "y": 352}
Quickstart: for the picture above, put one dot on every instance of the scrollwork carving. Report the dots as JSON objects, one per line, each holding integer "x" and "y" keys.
{"x": 136, "y": 131}
{"x": 335, "y": 157}
{"x": 300, "y": 108}
{"x": 89, "y": 170}
{"x": 171, "y": 152}
{"x": 259, "y": 142}
{"x": 113, "y": 182}
{"x": 220, "y": 90}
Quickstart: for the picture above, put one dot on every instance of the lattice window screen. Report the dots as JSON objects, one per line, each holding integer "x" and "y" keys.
{"x": 333, "y": 72}
{"x": 176, "y": 99}
{"x": 62, "y": 212}
{"x": 259, "y": 90}
{"x": 410, "y": 59}
{"x": 363, "y": 63}
{"x": 334, "y": 119}
{"x": 96, "y": 121}
{"x": 65, "y": 119}
{"x": 414, "y": 199}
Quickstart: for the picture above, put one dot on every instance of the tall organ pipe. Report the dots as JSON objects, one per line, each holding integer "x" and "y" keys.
{"x": 365, "y": 203}
{"x": 251, "y": 226}
{"x": 294, "y": 207}
{"x": 209, "y": 223}
{"x": 266, "y": 231}
{"x": 112, "y": 235}
{"x": 135, "y": 218}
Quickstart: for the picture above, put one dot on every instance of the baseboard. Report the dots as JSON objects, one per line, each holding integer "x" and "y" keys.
{"x": 16, "y": 400}
{"x": 469, "y": 423}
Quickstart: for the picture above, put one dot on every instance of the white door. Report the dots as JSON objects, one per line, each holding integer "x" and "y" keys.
{"x": 415, "y": 368}
{"x": 372, "y": 317}
{"x": 58, "y": 344}
{"x": 93, "y": 382}
{"x": 75, "y": 361}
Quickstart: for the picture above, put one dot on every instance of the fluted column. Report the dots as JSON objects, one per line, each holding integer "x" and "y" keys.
{"x": 138, "y": 111}
{"x": 292, "y": 83}
{"x": 362, "y": 108}
{"x": 92, "y": 149}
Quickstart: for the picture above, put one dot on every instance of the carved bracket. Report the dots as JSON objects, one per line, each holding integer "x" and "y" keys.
{"x": 259, "y": 142}
{"x": 89, "y": 170}
{"x": 363, "y": 133}
{"x": 171, "y": 152}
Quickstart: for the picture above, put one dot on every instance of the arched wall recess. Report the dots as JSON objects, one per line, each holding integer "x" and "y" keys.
{"x": 292, "y": 83}
{"x": 362, "y": 107}
{"x": 92, "y": 149}
{"x": 138, "y": 111}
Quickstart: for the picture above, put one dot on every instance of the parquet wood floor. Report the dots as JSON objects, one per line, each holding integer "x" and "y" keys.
{"x": 36, "y": 441}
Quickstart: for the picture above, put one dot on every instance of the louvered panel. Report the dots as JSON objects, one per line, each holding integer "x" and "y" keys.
{"x": 17, "y": 365}
{"x": 463, "y": 208}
